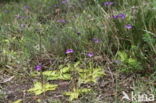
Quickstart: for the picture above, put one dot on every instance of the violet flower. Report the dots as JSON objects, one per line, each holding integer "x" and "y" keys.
{"x": 61, "y": 21}
{"x": 69, "y": 51}
{"x": 64, "y": 1}
{"x": 26, "y": 7}
{"x": 108, "y": 3}
{"x": 20, "y": 17}
{"x": 95, "y": 40}
{"x": 120, "y": 16}
{"x": 128, "y": 26}
{"x": 90, "y": 54}
{"x": 38, "y": 67}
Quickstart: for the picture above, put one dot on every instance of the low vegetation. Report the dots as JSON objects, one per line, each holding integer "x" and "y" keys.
{"x": 77, "y": 51}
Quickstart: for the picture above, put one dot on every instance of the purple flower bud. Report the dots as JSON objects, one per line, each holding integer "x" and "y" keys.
{"x": 122, "y": 16}
{"x": 95, "y": 40}
{"x": 61, "y": 21}
{"x": 108, "y": 3}
{"x": 119, "y": 16}
{"x": 115, "y": 17}
{"x": 65, "y": 1}
{"x": 26, "y": 7}
{"x": 68, "y": 51}
{"x": 90, "y": 54}
{"x": 20, "y": 17}
{"x": 128, "y": 26}
{"x": 38, "y": 67}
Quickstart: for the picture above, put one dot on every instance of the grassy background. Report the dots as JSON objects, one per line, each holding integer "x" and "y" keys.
{"x": 30, "y": 34}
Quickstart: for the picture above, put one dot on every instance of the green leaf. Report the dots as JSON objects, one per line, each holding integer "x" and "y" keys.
{"x": 18, "y": 101}
{"x": 148, "y": 38}
{"x": 65, "y": 70}
{"x": 85, "y": 90}
{"x": 66, "y": 77}
{"x": 90, "y": 74}
{"x": 132, "y": 61}
{"x": 122, "y": 56}
{"x": 76, "y": 93}
{"x": 72, "y": 95}
{"x": 76, "y": 64}
{"x": 49, "y": 73}
{"x": 39, "y": 88}
{"x": 61, "y": 74}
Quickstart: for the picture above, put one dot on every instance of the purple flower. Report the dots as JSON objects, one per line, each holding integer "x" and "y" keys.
{"x": 26, "y": 7}
{"x": 90, "y": 54}
{"x": 61, "y": 21}
{"x": 64, "y": 1}
{"x": 68, "y": 51}
{"x": 115, "y": 16}
{"x": 38, "y": 67}
{"x": 108, "y": 3}
{"x": 121, "y": 16}
{"x": 20, "y": 17}
{"x": 95, "y": 40}
{"x": 128, "y": 26}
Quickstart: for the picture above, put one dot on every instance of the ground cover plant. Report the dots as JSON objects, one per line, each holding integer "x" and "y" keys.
{"x": 77, "y": 51}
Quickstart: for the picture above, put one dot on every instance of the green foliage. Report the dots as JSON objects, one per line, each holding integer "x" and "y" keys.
{"x": 123, "y": 56}
{"x": 76, "y": 93}
{"x": 18, "y": 101}
{"x": 86, "y": 75}
{"x": 30, "y": 30}
{"x": 128, "y": 64}
{"x": 91, "y": 74}
{"x": 62, "y": 74}
{"x": 150, "y": 40}
{"x": 40, "y": 88}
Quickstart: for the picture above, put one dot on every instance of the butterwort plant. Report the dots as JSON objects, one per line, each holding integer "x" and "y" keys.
{"x": 108, "y": 3}
{"x": 128, "y": 26}
{"x": 26, "y": 7}
{"x": 64, "y": 1}
{"x": 90, "y": 54}
{"x": 96, "y": 40}
{"x": 61, "y": 21}
{"x": 38, "y": 67}
{"x": 69, "y": 51}
{"x": 120, "y": 16}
